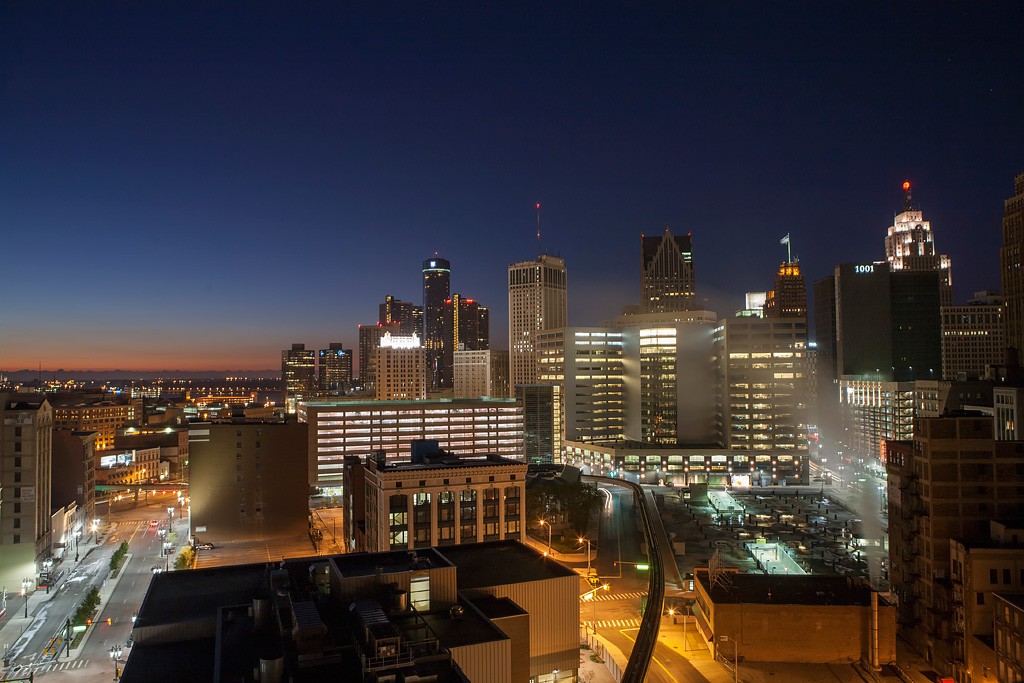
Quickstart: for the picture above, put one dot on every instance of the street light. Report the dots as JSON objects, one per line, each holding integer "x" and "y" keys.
{"x": 543, "y": 522}
{"x": 78, "y": 536}
{"x": 583, "y": 540}
{"x": 590, "y": 595}
{"x": 115, "y": 654}
{"x": 25, "y": 583}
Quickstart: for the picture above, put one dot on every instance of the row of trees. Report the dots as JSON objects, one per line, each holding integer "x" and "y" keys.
{"x": 557, "y": 500}
{"x": 118, "y": 558}
{"x": 87, "y": 608}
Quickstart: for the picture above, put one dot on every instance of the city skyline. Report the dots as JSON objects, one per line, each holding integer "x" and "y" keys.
{"x": 198, "y": 189}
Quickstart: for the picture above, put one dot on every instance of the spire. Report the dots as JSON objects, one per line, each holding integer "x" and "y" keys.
{"x": 906, "y": 195}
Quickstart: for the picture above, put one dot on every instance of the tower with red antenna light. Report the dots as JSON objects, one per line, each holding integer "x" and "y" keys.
{"x": 906, "y": 195}
{"x": 538, "y": 228}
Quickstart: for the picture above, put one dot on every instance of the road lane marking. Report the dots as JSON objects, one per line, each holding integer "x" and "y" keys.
{"x": 653, "y": 658}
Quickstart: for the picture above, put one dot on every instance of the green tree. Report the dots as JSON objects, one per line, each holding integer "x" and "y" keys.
{"x": 185, "y": 558}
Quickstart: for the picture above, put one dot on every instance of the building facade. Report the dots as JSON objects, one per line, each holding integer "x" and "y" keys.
{"x": 26, "y": 451}
{"x": 437, "y": 499}
{"x": 102, "y": 416}
{"x": 408, "y": 316}
{"x": 401, "y": 368}
{"x": 764, "y": 384}
{"x": 593, "y": 392}
{"x": 462, "y": 426}
{"x": 973, "y": 338}
{"x": 910, "y": 246}
{"x": 298, "y": 374}
{"x": 334, "y": 371}
{"x": 437, "y": 273}
{"x": 536, "y": 302}
{"x": 244, "y": 483}
{"x": 1011, "y": 263}
{"x": 789, "y": 298}
{"x": 467, "y": 326}
{"x": 542, "y": 422}
{"x": 369, "y": 340}
{"x": 667, "y": 281}
{"x": 481, "y": 373}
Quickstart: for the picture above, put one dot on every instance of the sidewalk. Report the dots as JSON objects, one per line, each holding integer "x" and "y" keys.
{"x": 17, "y": 623}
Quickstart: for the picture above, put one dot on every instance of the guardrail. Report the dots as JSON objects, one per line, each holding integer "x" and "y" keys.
{"x": 647, "y": 636}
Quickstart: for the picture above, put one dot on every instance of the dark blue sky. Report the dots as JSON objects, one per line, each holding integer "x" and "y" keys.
{"x": 197, "y": 185}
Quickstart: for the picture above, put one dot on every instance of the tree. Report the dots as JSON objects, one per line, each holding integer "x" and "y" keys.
{"x": 563, "y": 501}
{"x": 185, "y": 558}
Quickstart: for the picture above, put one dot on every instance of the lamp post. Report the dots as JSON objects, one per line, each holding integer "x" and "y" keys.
{"x": 25, "y": 583}
{"x": 543, "y": 522}
{"x": 78, "y": 536}
{"x": 583, "y": 540}
{"x": 115, "y": 654}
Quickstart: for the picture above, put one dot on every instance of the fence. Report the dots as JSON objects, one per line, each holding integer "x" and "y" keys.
{"x": 597, "y": 648}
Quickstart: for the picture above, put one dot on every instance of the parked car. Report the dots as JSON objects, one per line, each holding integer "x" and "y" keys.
{"x": 204, "y": 546}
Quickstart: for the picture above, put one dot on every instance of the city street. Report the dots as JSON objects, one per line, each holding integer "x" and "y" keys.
{"x": 140, "y": 526}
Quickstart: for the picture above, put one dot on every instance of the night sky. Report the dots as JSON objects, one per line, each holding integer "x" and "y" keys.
{"x": 198, "y": 185}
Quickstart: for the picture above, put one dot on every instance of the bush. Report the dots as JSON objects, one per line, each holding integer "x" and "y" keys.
{"x": 117, "y": 559}
{"x": 85, "y": 610}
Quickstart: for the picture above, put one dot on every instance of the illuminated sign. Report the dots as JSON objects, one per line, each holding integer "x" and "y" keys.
{"x": 117, "y": 460}
{"x": 389, "y": 341}
{"x": 864, "y": 269}
{"x": 433, "y": 264}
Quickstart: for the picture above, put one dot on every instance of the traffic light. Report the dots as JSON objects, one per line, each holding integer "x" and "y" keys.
{"x": 88, "y": 622}
{"x": 643, "y": 567}
{"x": 109, "y": 621}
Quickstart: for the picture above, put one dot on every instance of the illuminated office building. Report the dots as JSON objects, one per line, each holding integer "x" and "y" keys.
{"x": 764, "y": 385}
{"x": 973, "y": 337}
{"x": 789, "y": 298}
{"x": 369, "y": 340}
{"x": 1011, "y": 264}
{"x": 536, "y": 301}
{"x": 334, "y": 373}
{"x": 593, "y": 391}
{"x": 463, "y": 426}
{"x": 437, "y": 274}
{"x": 667, "y": 281}
{"x": 910, "y": 246}
{"x": 408, "y": 316}
{"x": 298, "y": 367}
{"x": 481, "y": 373}
{"x": 26, "y": 452}
{"x": 400, "y": 362}
{"x": 466, "y": 327}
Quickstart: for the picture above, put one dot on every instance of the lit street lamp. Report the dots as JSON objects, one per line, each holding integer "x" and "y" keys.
{"x": 543, "y": 522}
{"x": 583, "y": 540}
{"x": 25, "y": 583}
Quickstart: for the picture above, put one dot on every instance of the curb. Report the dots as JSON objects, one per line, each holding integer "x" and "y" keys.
{"x": 105, "y": 592}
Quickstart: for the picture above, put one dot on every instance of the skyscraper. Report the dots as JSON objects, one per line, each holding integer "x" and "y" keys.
{"x": 400, "y": 367}
{"x": 462, "y": 332}
{"x": 1011, "y": 261}
{"x": 298, "y": 367}
{"x": 369, "y": 339}
{"x": 536, "y": 301}
{"x": 789, "y": 298}
{"x": 436, "y": 290}
{"x": 667, "y": 281}
{"x": 334, "y": 373}
{"x": 394, "y": 310}
{"x": 910, "y": 245}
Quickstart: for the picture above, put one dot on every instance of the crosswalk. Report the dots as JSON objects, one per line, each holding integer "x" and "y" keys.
{"x": 601, "y": 596}
{"x": 40, "y": 668}
{"x": 616, "y": 623}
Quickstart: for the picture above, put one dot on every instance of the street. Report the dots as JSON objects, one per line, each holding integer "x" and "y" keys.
{"x": 141, "y": 527}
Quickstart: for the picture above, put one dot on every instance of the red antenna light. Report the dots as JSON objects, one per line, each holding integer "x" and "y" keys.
{"x": 906, "y": 185}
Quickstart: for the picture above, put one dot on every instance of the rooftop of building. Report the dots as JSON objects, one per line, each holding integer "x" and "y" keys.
{"x": 762, "y": 589}
{"x": 415, "y": 403}
{"x": 653, "y": 446}
{"x": 392, "y": 562}
{"x": 21, "y": 401}
{"x": 496, "y": 563}
{"x": 447, "y": 461}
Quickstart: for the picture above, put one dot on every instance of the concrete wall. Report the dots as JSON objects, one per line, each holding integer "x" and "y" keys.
{"x": 248, "y": 481}
{"x": 805, "y": 633}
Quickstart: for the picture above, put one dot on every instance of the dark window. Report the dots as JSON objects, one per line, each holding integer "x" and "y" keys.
{"x": 1006, "y": 577}
{"x": 980, "y": 598}
{"x": 423, "y": 482}
{"x": 445, "y": 482}
{"x": 17, "y": 431}
{"x": 993, "y": 576}
{"x": 17, "y": 447}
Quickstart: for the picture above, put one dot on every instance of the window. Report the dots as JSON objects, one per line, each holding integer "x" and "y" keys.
{"x": 419, "y": 592}
{"x": 1006, "y": 577}
{"x": 993, "y": 576}
{"x": 980, "y": 598}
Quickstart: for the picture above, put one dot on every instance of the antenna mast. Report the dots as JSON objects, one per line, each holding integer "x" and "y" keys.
{"x": 538, "y": 228}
